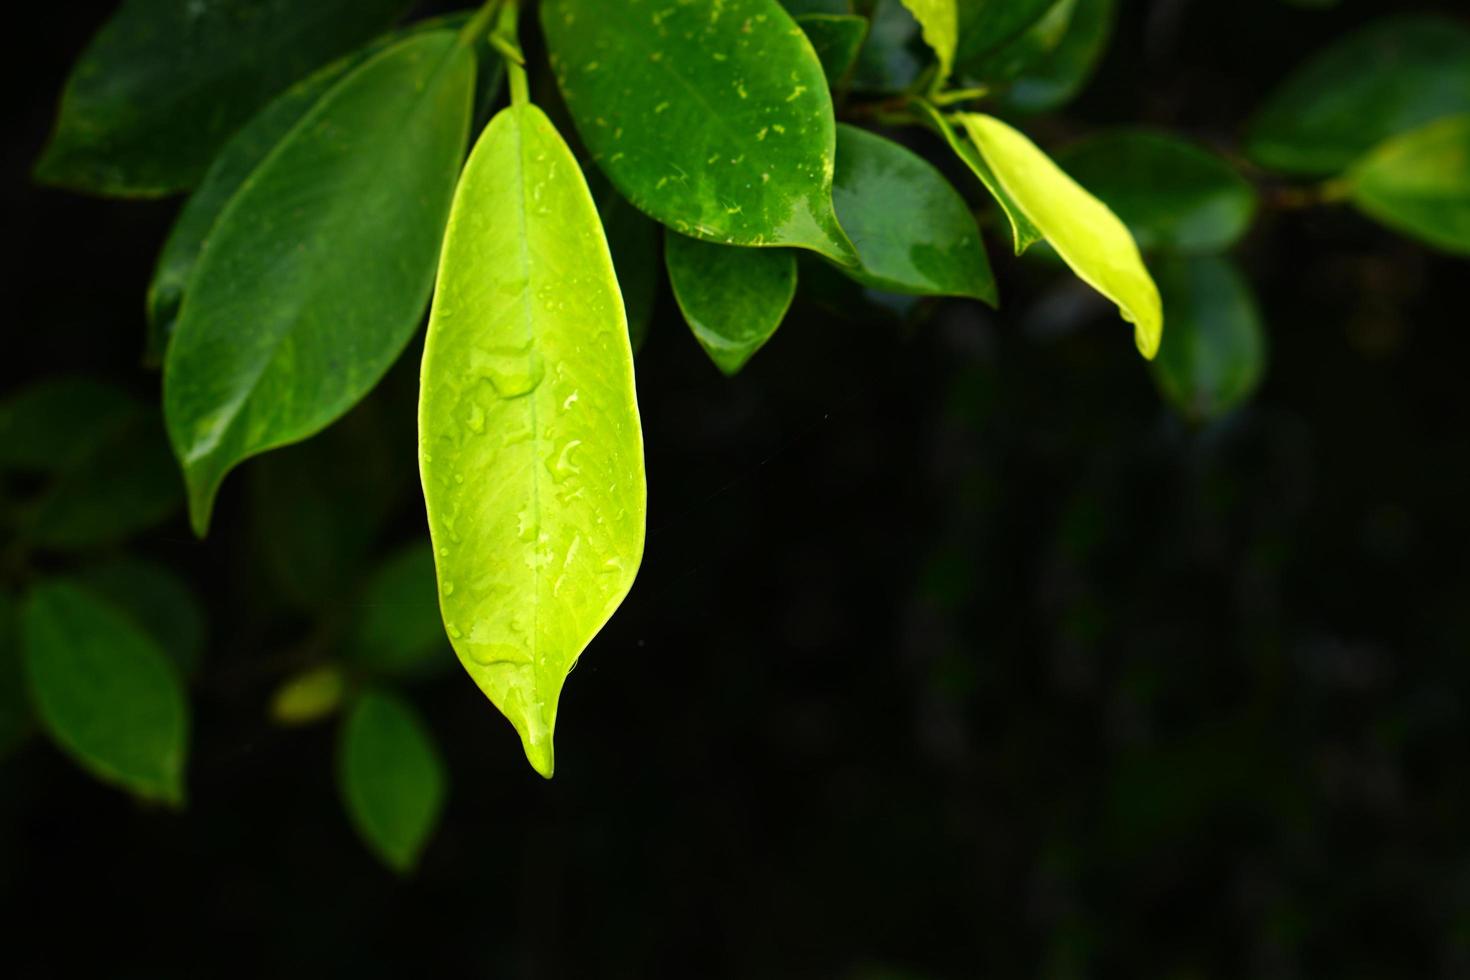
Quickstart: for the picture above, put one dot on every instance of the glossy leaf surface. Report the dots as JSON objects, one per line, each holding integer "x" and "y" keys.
{"x": 713, "y": 118}
{"x": 318, "y": 270}
{"x": 1392, "y": 76}
{"x": 837, "y": 39}
{"x": 634, "y": 241}
{"x": 1213, "y": 354}
{"x": 1172, "y": 194}
{"x": 732, "y": 298}
{"x": 105, "y": 692}
{"x": 1419, "y": 184}
{"x": 913, "y": 231}
{"x": 1088, "y": 237}
{"x": 531, "y": 451}
{"x": 165, "y": 83}
{"x": 391, "y": 777}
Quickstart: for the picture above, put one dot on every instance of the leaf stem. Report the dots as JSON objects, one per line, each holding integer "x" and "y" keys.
{"x": 477, "y": 25}
{"x": 506, "y": 40}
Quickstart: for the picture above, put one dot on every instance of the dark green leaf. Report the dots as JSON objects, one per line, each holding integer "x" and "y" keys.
{"x": 714, "y": 119}
{"x": 236, "y": 161}
{"x": 1419, "y": 184}
{"x": 1214, "y": 351}
{"x": 1024, "y": 51}
{"x": 56, "y": 423}
{"x": 732, "y": 298}
{"x": 166, "y": 82}
{"x": 15, "y": 705}
{"x": 1171, "y": 194}
{"x": 391, "y": 777}
{"x": 397, "y": 629}
{"x": 913, "y": 231}
{"x": 317, "y": 272}
{"x": 122, "y": 488}
{"x": 158, "y": 600}
{"x": 1056, "y": 77}
{"x": 986, "y": 26}
{"x": 1392, "y": 76}
{"x": 837, "y": 39}
{"x": 105, "y": 692}
{"x": 530, "y": 446}
{"x": 634, "y": 242}
{"x": 892, "y": 56}
{"x": 800, "y": 8}
{"x": 318, "y": 508}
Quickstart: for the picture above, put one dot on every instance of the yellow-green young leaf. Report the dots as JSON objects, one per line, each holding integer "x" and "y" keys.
{"x": 1088, "y": 236}
{"x": 391, "y": 777}
{"x": 1419, "y": 184}
{"x": 1023, "y": 232}
{"x": 939, "y": 21}
{"x": 316, "y": 273}
{"x": 105, "y": 692}
{"x": 531, "y": 451}
{"x": 309, "y": 696}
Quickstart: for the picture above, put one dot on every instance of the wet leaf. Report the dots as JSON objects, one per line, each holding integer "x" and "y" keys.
{"x": 732, "y": 298}
{"x": 165, "y": 83}
{"x": 531, "y": 452}
{"x": 317, "y": 272}
{"x": 105, "y": 692}
{"x": 913, "y": 231}
{"x": 714, "y": 119}
{"x": 1087, "y": 236}
{"x": 391, "y": 777}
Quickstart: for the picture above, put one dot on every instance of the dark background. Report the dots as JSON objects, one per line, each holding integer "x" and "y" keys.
{"x": 953, "y": 654}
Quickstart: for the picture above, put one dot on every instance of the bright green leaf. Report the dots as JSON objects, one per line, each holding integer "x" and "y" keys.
{"x": 1213, "y": 354}
{"x": 732, "y": 298}
{"x": 397, "y": 629}
{"x": 1058, "y": 74}
{"x": 1171, "y": 194}
{"x": 1023, "y": 233}
{"x": 105, "y": 692}
{"x": 157, "y": 600}
{"x": 165, "y": 83}
{"x": 713, "y": 118}
{"x": 837, "y": 39}
{"x": 57, "y": 422}
{"x": 939, "y": 23}
{"x": 531, "y": 451}
{"x": 391, "y": 777}
{"x": 1419, "y": 184}
{"x": 913, "y": 231}
{"x": 1390, "y": 77}
{"x": 1087, "y": 236}
{"x": 317, "y": 272}
{"x": 308, "y": 697}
